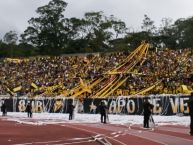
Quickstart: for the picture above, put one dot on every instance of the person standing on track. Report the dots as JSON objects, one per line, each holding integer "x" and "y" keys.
{"x": 29, "y": 110}
{"x": 147, "y": 107}
{"x": 103, "y": 112}
{"x": 71, "y": 110}
{"x": 190, "y": 105}
{"x": 4, "y": 109}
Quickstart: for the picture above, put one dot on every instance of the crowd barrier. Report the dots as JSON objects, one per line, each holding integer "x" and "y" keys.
{"x": 163, "y": 104}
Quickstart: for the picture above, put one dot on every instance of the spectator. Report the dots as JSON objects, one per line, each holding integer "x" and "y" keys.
{"x": 147, "y": 107}
{"x": 190, "y": 104}
{"x": 4, "y": 109}
{"x": 52, "y": 76}
{"x": 103, "y": 112}
{"x": 29, "y": 110}
{"x": 71, "y": 110}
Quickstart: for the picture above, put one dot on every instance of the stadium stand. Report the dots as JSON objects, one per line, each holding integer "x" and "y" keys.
{"x": 163, "y": 71}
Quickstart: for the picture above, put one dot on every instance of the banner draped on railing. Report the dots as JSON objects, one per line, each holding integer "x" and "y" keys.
{"x": 163, "y": 104}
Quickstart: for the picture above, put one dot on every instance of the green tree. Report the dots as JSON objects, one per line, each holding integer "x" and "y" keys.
{"x": 76, "y": 35}
{"x": 48, "y": 32}
{"x": 119, "y": 27}
{"x": 166, "y": 25}
{"x": 166, "y": 36}
{"x": 184, "y": 32}
{"x": 148, "y": 25}
{"x": 3, "y": 51}
{"x": 96, "y": 30}
{"x": 10, "y": 37}
{"x": 134, "y": 39}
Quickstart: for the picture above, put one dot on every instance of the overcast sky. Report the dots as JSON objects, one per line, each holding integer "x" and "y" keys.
{"x": 14, "y": 14}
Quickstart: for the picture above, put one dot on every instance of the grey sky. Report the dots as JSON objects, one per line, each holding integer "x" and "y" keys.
{"x": 14, "y": 14}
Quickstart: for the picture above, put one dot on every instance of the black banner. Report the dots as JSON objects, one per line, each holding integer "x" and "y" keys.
{"x": 163, "y": 105}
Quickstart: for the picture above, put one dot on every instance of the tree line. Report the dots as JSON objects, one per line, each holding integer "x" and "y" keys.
{"x": 51, "y": 33}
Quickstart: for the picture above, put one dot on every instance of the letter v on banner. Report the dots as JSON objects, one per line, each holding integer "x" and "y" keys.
{"x": 174, "y": 104}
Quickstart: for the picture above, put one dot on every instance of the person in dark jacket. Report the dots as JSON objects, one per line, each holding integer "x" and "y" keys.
{"x": 29, "y": 110}
{"x": 4, "y": 109}
{"x": 147, "y": 112}
{"x": 103, "y": 112}
{"x": 71, "y": 110}
{"x": 190, "y": 105}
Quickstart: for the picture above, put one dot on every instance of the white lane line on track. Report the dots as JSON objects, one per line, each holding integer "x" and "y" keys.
{"x": 172, "y": 140}
{"x": 176, "y": 130}
{"x": 97, "y": 134}
{"x": 89, "y": 139}
{"x": 78, "y": 142}
{"x": 150, "y": 139}
{"x": 48, "y": 142}
{"x": 113, "y": 133}
{"x": 80, "y": 138}
{"x": 165, "y": 139}
{"x": 56, "y": 142}
{"x": 133, "y": 135}
{"x": 171, "y": 135}
{"x": 39, "y": 142}
{"x": 116, "y": 135}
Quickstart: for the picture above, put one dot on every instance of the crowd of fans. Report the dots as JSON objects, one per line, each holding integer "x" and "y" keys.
{"x": 34, "y": 76}
{"x": 172, "y": 67}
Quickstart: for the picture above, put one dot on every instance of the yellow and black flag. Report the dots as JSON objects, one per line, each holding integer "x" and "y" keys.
{"x": 34, "y": 86}
{"x": 10, "y": 92}
{"x": 17, "y": 89}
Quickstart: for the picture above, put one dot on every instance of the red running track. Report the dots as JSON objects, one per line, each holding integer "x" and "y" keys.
{"x": 90, "y": 134}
